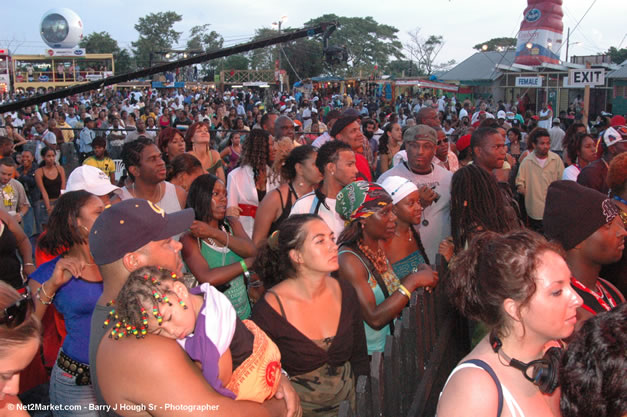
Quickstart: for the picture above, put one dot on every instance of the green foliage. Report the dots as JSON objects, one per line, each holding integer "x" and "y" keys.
{"x": 202, "y": 39}
{"x": 156, "y": 33}
{"x": 496, "y": 43}
{"x": 234, "y": 62}
{"x": 368, "y": 43}
{"x": 403, "y": 68}
{"x": 103, "y": 43}
{"x": 618, "y": 55}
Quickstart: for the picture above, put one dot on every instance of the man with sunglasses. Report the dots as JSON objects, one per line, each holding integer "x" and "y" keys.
{"x": 614, "y": 142}
{"x": 444, "y": 157}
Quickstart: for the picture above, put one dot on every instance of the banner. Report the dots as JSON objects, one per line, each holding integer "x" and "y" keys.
{"x": 67, "y": 52}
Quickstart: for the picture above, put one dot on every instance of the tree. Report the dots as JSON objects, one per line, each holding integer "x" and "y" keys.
{"x": 618, "y": 56}
{"x": 156, "y": 33}
{"x": 201, "y": 39}
{"x": 403, "y": 68}
{"x": 496, "y": 44}
{"x": 424, "y": 51}
{"x": 368, "y": 43}
{"x": 301, "y": 58}
{"x": 103, "y": 43}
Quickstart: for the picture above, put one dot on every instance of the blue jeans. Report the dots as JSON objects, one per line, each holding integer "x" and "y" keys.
{"x": 64, "y": 391}
{"x": 29, "y": 222}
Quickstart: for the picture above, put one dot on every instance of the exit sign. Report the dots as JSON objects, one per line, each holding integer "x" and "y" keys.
{"x": 585, "y": 77}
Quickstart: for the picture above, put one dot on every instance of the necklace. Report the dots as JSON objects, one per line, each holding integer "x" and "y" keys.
{"x": 134, "y": 193}
{"x": 377, "y": 258}
{"x": 600, "y": 295}
{"x": 409, "y": 238}
{"x": 225, "y": 248}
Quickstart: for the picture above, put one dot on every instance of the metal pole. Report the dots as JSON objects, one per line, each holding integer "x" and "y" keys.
{"x": 94, "y": 85}
{"x": 567, "y": 43}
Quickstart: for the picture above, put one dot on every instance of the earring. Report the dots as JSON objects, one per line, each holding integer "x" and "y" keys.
{"x": 182, "y": 303}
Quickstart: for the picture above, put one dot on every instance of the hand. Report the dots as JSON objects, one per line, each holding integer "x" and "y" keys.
{"x": 427, "y": 196}
{"x": 64, "y": 270}
{"x": 521, "y": 189}
{"x": 510, "y": 159}
{"x": 424, "y": 277}
{"x": 203, "y": 230}
{"x": 287, "y": 393}
{"x": 49, "y": 210}
{"x": 447, "y": 248}
{"x": 233, "y": 211}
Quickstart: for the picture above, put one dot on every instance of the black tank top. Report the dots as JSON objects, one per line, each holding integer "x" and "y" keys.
{"x": 10, "y": 268}
{"x": 53, "y": 187}
{"x": 286, "y": 209}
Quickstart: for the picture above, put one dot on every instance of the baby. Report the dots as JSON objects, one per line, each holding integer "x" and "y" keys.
{"x": 203, "y": 321}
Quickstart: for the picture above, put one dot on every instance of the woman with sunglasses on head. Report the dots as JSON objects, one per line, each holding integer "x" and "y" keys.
{"x": 20, "y": 337}
{"x": 518, "y": 285}
{"x": 72, "y": 282}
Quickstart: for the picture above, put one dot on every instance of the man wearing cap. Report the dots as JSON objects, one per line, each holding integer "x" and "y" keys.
{"x": 433, "y": 182}
{"x": 330, "y": 120}
{"x": 587, "y": 224}
{"x": 86, "y": 137}
{"x": 557, "y": 135}
{"x": 347, "y": 129}
{"x": 613, "y": 142}
{"x": 154, "y": 370}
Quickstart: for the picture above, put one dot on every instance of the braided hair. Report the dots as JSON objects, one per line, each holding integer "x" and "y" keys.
{"x": 144, "y": 290}
{"x": 477, "y": 204}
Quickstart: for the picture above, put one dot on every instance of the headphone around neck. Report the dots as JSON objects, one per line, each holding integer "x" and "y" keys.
{"x": 544, "y": 371}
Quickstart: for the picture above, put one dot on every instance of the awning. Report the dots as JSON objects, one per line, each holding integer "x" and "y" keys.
{"x": 427, "y": 84}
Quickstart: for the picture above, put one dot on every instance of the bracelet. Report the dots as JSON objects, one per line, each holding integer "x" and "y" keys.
{"x": 404, "y": 291}
{"x": 243, "y": 264}
{"x": 29, "y": 264}
{"x": 44, "y": 291}
{"x": 284, "y": 372}
{"x": 38, "y": 294}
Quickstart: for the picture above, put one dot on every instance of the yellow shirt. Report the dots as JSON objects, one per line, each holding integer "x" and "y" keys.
{"x": 106, "y": 164}
{"x": 68, "y": 135}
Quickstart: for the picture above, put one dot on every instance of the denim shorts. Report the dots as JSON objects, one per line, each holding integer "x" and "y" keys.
{"x": 75, "y": 398}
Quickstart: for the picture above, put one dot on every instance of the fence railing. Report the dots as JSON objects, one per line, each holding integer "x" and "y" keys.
{"x": 406, "y": 380}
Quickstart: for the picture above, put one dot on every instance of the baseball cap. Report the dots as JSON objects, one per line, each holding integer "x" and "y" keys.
{"x": 420, "y": 132}
{"x": 88, "y": 118}
{"x": 90, "y": 179}
{"x": 500, "y": 114}
{"x": 463, "y": 142}
{"x": 510, "y": 115}
{"x": 131, "y": 224}
{"x": 556, "y": 120}
{"x": 613, "y": 135}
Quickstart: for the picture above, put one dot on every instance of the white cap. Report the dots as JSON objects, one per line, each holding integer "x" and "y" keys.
{"x": 500, "y": 114}
{"x": 612, "y": 136}
{"x": 398, "y": 187}
{"x": 90, "y": 179}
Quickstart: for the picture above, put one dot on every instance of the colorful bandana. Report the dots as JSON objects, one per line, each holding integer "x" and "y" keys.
{"x": 360, "y": 199}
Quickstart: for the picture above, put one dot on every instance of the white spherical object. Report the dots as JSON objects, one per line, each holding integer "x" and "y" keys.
{"x": 61, "y": 28}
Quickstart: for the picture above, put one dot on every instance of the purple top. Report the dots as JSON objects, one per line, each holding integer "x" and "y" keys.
{"x": 200, "y": 348}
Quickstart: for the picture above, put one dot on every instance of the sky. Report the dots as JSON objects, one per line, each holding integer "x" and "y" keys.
{"x": 462, "y": 23}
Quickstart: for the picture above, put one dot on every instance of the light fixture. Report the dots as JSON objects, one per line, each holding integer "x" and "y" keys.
{"x": 529, "y": 45}
{"x": 549, "y": 45}
{"x": 484, "y": 47}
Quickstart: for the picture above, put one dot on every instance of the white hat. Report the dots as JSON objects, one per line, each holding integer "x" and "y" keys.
{"x": 612, "y": 136}
{"x": 90, "y": 179}
{"x": 500, "y": 114}
{"x": 398, "y": 187}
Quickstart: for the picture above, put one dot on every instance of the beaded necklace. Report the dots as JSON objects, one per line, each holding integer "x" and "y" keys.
{"x": 377, "y": 258}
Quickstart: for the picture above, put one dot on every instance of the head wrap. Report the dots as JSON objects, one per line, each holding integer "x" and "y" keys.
{"x": 573, "y": 212}
{"x": 360, "y": 199}
{"x": 398, "y": 188}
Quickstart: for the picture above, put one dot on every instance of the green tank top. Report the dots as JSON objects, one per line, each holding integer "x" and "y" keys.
{"x": 237, "y": 293}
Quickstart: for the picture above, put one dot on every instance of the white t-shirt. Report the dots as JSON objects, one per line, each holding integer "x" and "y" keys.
{"x": 307, "y": 204}
{"x": 571, "y": 173}
{"x": 436, "y": 219}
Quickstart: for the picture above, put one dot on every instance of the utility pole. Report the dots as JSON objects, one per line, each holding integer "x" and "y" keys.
{"x": 567, "y": 44}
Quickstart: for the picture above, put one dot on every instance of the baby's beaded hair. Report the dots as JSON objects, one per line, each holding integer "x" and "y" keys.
{"x": 143, "y": 291}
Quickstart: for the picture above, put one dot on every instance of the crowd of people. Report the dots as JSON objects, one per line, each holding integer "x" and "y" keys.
{"x": 267, "y": 245}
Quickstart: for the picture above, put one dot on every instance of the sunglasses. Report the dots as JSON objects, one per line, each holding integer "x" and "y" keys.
{"x": 442, "y": 141}
{"x": 15, "y": 314}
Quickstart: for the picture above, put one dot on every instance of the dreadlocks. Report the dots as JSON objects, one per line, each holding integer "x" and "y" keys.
{"x": 477, "y": 205}
{"x": 143, "y": 288}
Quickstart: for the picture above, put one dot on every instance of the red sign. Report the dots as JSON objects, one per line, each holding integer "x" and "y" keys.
{"x": 4, "y": 52}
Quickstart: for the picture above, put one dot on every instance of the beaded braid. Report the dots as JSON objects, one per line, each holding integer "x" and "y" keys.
{"x": 143, "y": 287}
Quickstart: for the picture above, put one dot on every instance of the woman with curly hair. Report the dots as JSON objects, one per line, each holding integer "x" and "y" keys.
{"x": 389, "y": 144}
{"x": 198, "y": 137}
{"x": 313, "y": 318}
{"x": 171, "y": 144}
{"x": 248, "y": 184}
